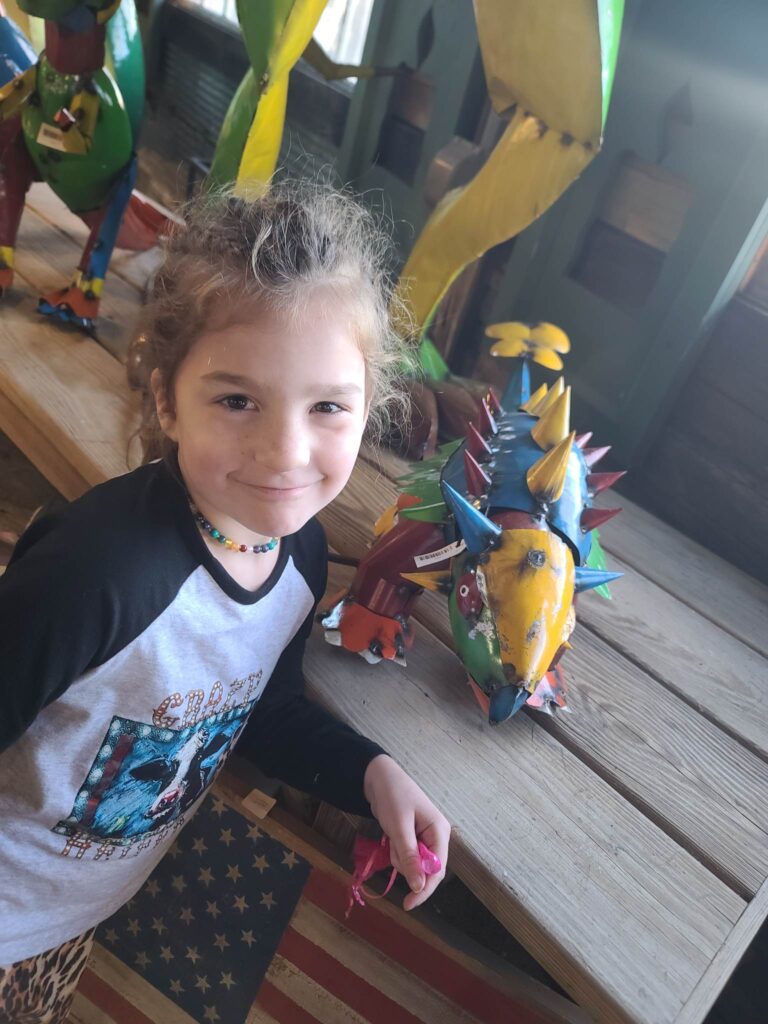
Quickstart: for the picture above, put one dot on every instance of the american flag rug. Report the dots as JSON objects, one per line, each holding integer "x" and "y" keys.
{"x": 235, "y": 927}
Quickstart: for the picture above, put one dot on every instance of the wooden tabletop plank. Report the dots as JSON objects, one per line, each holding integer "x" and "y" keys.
{"x": 726, "y": 960}
{"x": 708, "y": 584}
{"x": 64, "y": 400}
{"x": 710, "y": 669}
{"x": 700, "y": 785}
{"x": 598, "y": 893}
{"x": 714, "y": 588}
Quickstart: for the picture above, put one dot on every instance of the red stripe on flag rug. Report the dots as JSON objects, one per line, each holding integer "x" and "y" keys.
{"x": 283, "y": 1009}
{"x": 354, "y": 991}
{"x": 434, "y": 968}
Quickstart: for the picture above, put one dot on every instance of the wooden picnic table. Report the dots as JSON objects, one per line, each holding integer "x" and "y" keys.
{"x": 623, "y": 844}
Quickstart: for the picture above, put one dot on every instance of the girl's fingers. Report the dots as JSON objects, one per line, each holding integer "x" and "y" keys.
{"x": 435, "y": 836}
{"x": 413, "y": 899}
{"x": 405, "y": 855}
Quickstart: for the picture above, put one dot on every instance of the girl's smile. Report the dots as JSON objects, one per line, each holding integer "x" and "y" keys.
{"x": 279, "y": 493}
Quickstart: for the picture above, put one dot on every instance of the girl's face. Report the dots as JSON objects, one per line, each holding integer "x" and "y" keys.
{"x": 268, "y": 420}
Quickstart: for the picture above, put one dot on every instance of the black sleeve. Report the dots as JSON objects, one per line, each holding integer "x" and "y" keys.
{"x": 52, "y": 620}
{"x": 293, "y": 739}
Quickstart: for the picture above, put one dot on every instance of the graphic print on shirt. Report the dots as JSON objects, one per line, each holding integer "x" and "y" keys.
{"x": 145, "y": 776}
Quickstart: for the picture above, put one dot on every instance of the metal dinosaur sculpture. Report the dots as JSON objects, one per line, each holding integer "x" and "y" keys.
{"x": 69, "y": 120}
{"x": 502, "y": 523}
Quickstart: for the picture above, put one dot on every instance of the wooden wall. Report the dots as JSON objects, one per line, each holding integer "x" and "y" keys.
{"x": 707, "y": 473}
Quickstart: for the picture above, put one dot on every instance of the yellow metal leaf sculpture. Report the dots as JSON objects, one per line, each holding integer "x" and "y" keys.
{"x": 549, "y": 69}
{"x": 275, "y": 35}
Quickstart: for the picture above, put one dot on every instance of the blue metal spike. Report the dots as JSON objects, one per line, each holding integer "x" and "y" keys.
{"x": 477, "y": 530}
{"x": 586, "y": 579}
{"x": 518, "y": 389}
{"x": 505, "y": 702}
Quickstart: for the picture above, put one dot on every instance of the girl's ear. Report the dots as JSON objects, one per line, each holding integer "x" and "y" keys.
{"x": 165, "y": 412}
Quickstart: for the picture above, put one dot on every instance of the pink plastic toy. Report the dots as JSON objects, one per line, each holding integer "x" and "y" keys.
{"x": 371, "y": 856}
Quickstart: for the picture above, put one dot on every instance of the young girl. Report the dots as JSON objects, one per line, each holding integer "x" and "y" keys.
{"x": 158, "y": 621}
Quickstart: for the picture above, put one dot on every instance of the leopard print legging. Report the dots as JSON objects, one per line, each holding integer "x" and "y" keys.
{"x": 40, "y": 989}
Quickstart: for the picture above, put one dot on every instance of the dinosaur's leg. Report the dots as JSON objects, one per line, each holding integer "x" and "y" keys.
{"x": 371, "y": 617}
{"x": 79, "y": 303}
{"x": 17, "y": 172}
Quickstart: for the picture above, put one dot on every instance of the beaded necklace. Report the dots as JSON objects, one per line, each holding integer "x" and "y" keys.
{"x": 228, "y": 543}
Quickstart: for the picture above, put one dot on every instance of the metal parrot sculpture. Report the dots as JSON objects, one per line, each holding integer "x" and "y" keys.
{"x": 70, "y": 117}
{"x": 549, "y": 69}
{"x": 502, "y": 523}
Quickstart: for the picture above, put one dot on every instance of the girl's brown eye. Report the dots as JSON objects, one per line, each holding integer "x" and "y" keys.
{"x": 328, "y": 407}
{"x": 238, "y": 403}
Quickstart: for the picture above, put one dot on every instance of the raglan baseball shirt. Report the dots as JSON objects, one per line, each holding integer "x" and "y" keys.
{"x": 130, "y": 664}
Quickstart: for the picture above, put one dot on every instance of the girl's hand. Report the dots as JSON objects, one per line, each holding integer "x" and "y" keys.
{"x": 407, "y": 815}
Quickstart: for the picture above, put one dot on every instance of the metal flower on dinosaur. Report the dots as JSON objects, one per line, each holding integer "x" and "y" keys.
{"x": 68, "y": 119}
{"x": 502, "y": 523}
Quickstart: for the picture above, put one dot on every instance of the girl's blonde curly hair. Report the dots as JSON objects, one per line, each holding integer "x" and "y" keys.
{"x": 235, "y": 255}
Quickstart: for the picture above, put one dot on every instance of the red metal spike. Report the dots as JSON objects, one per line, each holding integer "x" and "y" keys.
{"x": 485, "y": 421}
{"x": 598, "y": 482}
{"x": 494, "y": 401}
{"x": 592, "y": 517}
{"x": 476, "y": 443}
{"x": 478, "y": 482}
{"x": 593, "y": 455}
{"x": 581, "y": 439}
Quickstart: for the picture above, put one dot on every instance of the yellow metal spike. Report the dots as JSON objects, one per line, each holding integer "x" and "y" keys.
{"x": 546, "y": 478}
{"x": 550, "y": 398}
{"x": 546, "y": 357}
{"x": 550, "y": 336}
{"x": 554, "y": 425}
{"x": 386, "y": 521}
{"x": 429, "y": 580}
{"x": 538, "y": 395}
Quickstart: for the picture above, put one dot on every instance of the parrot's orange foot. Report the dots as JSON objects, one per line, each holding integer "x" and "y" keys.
{"x": 6, "y": 278}
{"x": 356, "y": 628}
{"x": 72, "y": 305}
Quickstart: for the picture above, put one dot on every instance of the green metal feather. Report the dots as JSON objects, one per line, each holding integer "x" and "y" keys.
{"x": 596, "y": 560}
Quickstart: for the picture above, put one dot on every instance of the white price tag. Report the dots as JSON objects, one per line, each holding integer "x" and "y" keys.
{"x": 52, "y": 137}
{"x": 440, "y": 555}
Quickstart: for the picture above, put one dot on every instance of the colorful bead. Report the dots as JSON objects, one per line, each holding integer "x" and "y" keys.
{"x": 228, "y": 543}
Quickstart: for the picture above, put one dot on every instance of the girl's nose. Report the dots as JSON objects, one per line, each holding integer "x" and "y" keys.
{"x": 284, "y": 446}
